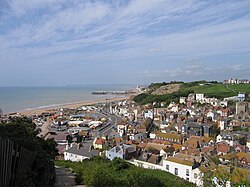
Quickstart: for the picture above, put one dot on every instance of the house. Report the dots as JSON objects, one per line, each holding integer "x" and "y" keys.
{"x": 182, "y": 100}
{"x": 231, "y": 138}
{"x": 166, "y": 152}
{"x": 122, "y": 129}
{"x": 172, "y": 137}
{"x": 195, "y": 142}
{"x": 199, "y": 97}
{"x": 197, "y": 129}
{"x": 149, "y": 114}
{"x": 148, "y": 160}
{"x": 98, "y": 143}
{"x": 242, "y": 96}
{"x": 223, "y": 148}
{"x": 137, "y": 136}
{"x": 182, "y": 168}
{"x": 191, "y": 97}
{"x": 121, "y": 151}
{"x": 229, "y": 158}
{"x": 222, "y": 124}
{"x": 243, "y": 159}
{"x": 77, "y": 153}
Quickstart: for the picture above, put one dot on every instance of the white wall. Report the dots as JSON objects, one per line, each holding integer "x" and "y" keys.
{"x": 196, "y": 177}
{"x": 181, "y": 169}
{"x": 146, "y": 165}
{"x": 149, "y": 114}
{"x": 111, "y": 155}
{"x": 199, "y": 97}
{"x": 74, "y": 157}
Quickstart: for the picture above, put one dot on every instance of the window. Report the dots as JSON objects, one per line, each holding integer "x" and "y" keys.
{"x": 195, "y": 175}
{"x": 187, "y": 172}
{"x": 167, "y": 167}
{"x": 139, "y": 165}
{"x": 187, "y": 179}
{"x": 176, "y": 171}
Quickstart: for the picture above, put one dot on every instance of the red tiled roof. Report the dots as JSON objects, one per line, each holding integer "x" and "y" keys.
{"x": 224, "y": 148}
{"x": 99, "y": 141}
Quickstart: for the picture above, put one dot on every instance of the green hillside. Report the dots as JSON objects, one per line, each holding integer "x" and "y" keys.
{"x": 210, "y": 89}
{"x": 102, "y": 172}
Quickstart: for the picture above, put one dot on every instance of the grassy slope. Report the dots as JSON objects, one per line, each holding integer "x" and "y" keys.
{"x": 102, "y": 172}
{"x": 217, "y": 90}
{"x": 221, "y": 90}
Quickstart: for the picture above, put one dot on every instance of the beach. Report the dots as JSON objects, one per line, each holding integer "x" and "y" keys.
{"x": 20, "y": 99}
{"x": 38, "y": 111}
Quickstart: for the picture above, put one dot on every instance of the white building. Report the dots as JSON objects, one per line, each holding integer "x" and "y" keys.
{"x": 122, "y": 129}
{"x": 179, "y": 167}
{"x": 199, "y": 97}
{"x": 76, "y": 153}
{"x": 149, "y": 114}
{"x": 183, "y": 169}
{"x": 146, "y": 165}
{"x": 182, "y": 100}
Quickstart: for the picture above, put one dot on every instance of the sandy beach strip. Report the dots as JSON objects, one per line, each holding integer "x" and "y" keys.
{"x": 38, "y": 111}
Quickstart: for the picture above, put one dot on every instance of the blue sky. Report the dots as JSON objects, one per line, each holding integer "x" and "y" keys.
{"x": 62, "y": 42}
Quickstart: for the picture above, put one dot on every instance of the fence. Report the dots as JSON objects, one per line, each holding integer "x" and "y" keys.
{"x": 14, "y": 160}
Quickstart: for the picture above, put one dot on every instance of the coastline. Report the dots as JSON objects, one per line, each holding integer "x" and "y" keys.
{"x": 39, "y": 110}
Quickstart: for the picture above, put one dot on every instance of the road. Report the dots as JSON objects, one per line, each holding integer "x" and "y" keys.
{"x": 104, "y": 131}
{"x": 45, "y": 128}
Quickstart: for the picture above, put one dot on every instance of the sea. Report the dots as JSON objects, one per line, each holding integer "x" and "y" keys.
{"x": 15, "y": 99}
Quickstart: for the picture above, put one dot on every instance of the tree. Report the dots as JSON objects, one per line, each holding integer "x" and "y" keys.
{"x": 69, "y": 138}
{"x": 22, "y": 131}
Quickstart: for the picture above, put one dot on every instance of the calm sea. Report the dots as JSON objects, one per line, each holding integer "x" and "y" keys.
{"x": 13, "y": 99}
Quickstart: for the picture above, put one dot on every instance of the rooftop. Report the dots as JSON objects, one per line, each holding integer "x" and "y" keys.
{"x": 180, "y": 161}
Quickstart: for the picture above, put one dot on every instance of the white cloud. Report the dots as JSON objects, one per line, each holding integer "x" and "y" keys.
{"x": 120, "y": 31}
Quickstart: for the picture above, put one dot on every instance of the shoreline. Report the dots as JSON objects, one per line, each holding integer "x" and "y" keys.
{"x": 39, "y": 110}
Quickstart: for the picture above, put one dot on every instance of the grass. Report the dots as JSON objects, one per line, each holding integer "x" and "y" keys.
{"x": 102, "y": 172}
{"x": 221, "y": 91}
{"x": 217, "y": 90}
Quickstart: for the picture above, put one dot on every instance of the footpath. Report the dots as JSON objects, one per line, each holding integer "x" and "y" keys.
{"x": 64, "y": 177}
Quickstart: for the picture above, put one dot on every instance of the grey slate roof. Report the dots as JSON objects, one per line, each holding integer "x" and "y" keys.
{"x": 82, "y": 152}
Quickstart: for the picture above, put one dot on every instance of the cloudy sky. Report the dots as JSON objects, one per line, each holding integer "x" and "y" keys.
{"x": 62, "y": 42}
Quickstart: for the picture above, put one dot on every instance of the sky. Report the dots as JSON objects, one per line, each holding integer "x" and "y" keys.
{"x": 62, "y": 42}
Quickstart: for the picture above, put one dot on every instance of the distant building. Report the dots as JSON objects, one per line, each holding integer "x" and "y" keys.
{"x": 236, "y": 81}
{"x": 242, "y": 96}
{"x": 199, "y": 97}
{"x": 149, "y": 114}
{"x": 197, "y": 129}
{"x": 183, "y": 100}
{"x": 243, "y": 110}
{"x": 121, "y": 151}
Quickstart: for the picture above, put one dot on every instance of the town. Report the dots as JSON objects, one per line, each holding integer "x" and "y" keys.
{"x": 188, "y": 138}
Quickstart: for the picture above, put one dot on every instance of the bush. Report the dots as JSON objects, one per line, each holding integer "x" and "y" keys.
{"x": 102, "y": 172}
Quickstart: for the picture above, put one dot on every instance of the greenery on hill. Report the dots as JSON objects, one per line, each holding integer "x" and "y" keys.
{"x": 22, "y": 131}
{"x": 102, "y": 172}
{"x": 210, "y": 89}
